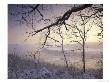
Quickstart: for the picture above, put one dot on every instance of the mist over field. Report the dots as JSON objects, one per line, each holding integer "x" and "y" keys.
{"x": 53, "y": 56}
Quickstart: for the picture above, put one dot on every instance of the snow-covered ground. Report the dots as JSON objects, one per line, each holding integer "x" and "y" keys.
{"x": 21, "y": 56}
{"x": 26, "y": 69}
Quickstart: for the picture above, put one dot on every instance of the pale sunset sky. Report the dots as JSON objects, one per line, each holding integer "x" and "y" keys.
{"x": 17, "y": 32}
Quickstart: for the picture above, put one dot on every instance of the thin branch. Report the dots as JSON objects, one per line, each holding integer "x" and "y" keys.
{"x": 76, "y": 42}
{"x": 88, "y": 30}
{"x": 54, "y": 39}
{"x": 48, "y": 33}
{"x": 76, "y": 29}
{"x": 32, "y": 9}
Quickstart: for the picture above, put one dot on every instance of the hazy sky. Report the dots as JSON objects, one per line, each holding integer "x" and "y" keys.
{"x": 17, "y": 32}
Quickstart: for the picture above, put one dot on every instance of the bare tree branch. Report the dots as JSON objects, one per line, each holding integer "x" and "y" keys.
{"x": 65, "y": 17}
{"x": 77, "y": 42}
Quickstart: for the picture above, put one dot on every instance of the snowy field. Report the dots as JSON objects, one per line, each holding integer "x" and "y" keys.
{"x": 49, "y": 62}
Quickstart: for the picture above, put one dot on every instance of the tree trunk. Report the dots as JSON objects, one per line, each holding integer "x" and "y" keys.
{"x": 83, "y": 53}
{"x": 66, "y": 62}
{"x": 65, "y": 59}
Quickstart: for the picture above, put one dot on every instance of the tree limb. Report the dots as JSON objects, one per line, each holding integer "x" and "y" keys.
{"x": 65, "y": 17}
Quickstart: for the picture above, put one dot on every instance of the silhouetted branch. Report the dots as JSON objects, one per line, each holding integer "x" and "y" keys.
{"x": 62, "y": 19}
{"x": 54, "y": 39}
{"x": 77, "y": 42}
